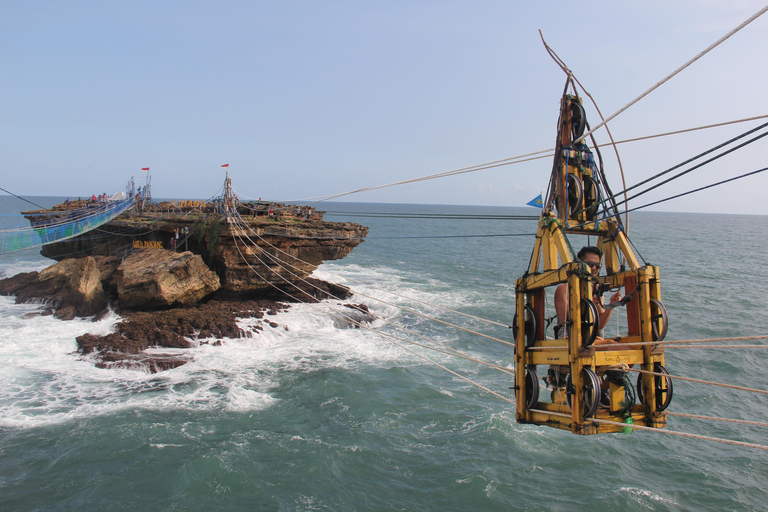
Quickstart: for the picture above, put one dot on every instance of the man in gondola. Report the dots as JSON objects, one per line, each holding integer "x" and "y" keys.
{"x": 592, "y": 257}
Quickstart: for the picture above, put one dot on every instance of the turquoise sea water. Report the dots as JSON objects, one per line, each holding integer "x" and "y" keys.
{"x": 314, "y": 415}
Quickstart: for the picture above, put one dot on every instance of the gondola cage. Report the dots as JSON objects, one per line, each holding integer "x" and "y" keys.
{"x": 579, "y": 203}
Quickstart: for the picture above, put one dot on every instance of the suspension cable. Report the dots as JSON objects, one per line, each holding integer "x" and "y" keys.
{"x": 712, "y": 418}
{"x": 412, "y": 311}
{"x": 697, "y": 166}
{"x": 379, "y": 289}
{"x": 449, "y": 351}
{"x": 678, "y": 70}
{"x": 699, "y": 381}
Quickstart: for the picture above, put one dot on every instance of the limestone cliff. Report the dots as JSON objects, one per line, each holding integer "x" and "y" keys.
{"x": 267, "y": 247}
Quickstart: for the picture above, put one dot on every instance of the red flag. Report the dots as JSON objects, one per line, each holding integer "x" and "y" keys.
{"x": 145, "y": 168}
{"x": 225, "y": 165}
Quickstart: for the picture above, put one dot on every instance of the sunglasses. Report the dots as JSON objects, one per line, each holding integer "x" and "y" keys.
{"x": 594, "y": 265}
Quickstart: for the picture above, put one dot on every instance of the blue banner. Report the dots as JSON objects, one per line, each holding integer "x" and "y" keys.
{"x": 537, "y": 202}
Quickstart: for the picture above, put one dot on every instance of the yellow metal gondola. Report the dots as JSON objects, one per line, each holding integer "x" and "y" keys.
{"x": 579, "y": 202}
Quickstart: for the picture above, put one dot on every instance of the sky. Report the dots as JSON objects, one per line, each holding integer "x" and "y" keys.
{"x": 311, "y": 98}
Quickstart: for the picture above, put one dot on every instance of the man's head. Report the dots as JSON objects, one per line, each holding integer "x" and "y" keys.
{"x": 591, "y": 256}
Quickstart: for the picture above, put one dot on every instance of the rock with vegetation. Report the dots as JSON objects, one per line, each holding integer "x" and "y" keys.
{"x": 252, "y": 253}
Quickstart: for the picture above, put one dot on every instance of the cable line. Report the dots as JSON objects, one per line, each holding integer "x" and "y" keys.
{"x": 675, "y": 72}
{"x": 659, "y": 431}
{"x": 452, "y": 352}
{"x": 374, "y": 298}
{"x": 449, "y": 216}
{"x": 379, "y": 289}
{"x": 520, "y": 158}
{"x": 301, "y": 237}
{"x": 727, "y": 152}
{"x": 19, "y": 197}
{"x": 698, "y": 417}
{"x": 699, "y": 381}
{"x": 698, "y": 189}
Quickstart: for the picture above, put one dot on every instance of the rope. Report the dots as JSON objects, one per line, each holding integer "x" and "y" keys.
{"x": 351, "y": 320}
{"x": 678, "y": 70}
{"x": 392, "y": 338}
{"x": 686, "y": 130}
{"x": 527, "y": 157}
{"x": 383, "y": 301}
{"x": 19, "y": 197}
{"x": 666, "y": 343}
{"x": 386, "y": 291}
{"x": 478, "y": 167}
{"x": 682, "y": 434}
{"x": 696, "y": 416}
{"x": 661, "y": 431}
{"x": 689, "y": 379}
{"x": 698, "y": 189}
{"x": 719, "y": 346}
{"x": 733, "y": 338}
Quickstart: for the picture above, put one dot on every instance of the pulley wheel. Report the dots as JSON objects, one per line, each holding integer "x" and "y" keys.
{"x": 590, "y": 391}
{"x": 578, "y": 120}
{"x": 530, "y": 326}
{"x": 662, "y": 385}
{"x": 592, "y": 197}
{"x": 531, "y": 387}
{"x": 590, "y": 322}
{"x": 575, "y": 193}
{"x": 659, "y": 320}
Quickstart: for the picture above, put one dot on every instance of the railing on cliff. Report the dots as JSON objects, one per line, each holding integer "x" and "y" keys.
{"x": 56, "y": 229}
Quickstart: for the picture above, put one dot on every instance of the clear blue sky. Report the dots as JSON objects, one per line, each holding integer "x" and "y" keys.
{"x": 308, "y": 98}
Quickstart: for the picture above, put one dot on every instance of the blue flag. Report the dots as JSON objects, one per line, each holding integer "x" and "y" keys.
{"x": 537, "y": 202}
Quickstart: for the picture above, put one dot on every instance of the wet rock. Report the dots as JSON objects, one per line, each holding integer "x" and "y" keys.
{"x": 174, "y": 328}
{"x": 153, "y": 363}
{"x": 354, "y": 316}
{"x": 71, "y": 288}
{"x": 157, "y": 277}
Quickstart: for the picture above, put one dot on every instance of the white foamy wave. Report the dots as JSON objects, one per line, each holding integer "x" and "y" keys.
{"x": 241, "y": 399}
{"x": 645, "y": 497}
{"x": 47, "y": 382}
{"x": 385, "y": 289}
{"x": 10, "y": 269}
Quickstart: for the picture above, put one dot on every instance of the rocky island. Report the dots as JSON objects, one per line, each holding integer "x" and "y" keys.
{"x": 182, "y": 271}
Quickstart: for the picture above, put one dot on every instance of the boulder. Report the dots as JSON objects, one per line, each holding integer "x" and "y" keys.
{"x": 157, "y": 278}
{"x": 72, "y": 287}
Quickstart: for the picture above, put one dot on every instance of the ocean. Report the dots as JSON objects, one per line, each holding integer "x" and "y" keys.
{"x": 316, "y": 415}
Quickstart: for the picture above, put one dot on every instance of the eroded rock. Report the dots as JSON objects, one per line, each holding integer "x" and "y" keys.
{"x": 71, "y": 287}
{"x": 157, "y": 278}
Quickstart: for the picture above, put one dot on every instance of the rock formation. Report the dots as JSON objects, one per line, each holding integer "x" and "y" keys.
{"x": 157, "y": 277}
{"x": 244, "y": 266}
{"x": 71, "y": 287}
{"x": 253, "y": 255}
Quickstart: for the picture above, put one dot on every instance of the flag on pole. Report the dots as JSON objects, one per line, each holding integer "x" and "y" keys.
{"x": 145, "y": 168}
{"x": 225, "y": 166}
{"x": 536, "y": 202}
